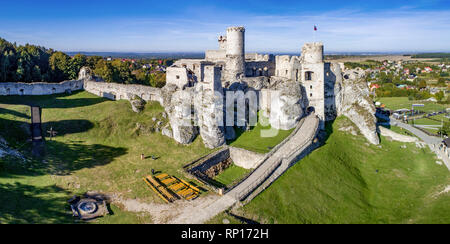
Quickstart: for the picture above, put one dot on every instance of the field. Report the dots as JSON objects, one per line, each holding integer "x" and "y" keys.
{"x": 362, "y": 58}
{"x": 231, "y": 175}
{"x": 396, "y": 103}
{"x": 253, "y": 141}
{"x": 97, "y": 148}
{"x": 349, "y": 181}
{"x": 433, "y": 122}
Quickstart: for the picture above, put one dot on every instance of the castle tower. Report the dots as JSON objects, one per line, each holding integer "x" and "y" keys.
{"x": 313, "y": 77}
{"x": 313, "y": 52}
{"x": 235, "y": 53}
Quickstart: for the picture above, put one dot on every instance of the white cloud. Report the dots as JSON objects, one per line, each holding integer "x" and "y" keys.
{"x": 405, "y": 29}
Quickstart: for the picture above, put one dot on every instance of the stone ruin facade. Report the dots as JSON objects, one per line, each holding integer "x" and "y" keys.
{"x": 286, "y": 88}
{"x": 281, "y": 88}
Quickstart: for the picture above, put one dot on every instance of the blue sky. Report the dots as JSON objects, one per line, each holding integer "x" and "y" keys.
{"x": 193, "y": 25}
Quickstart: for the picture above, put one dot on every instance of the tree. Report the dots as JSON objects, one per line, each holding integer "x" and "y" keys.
{"x": 91, "y": 61}
{"x": 422, "y": 84}
{"x": 104, "y": 70}
{"x": 36, "y": 75}
{"x": 439, "y": 96}
{"x": 75, "y": 64}
{"x": 441, "y": 82}
{"x": 59, "y": 65}
{"x": 445, "y": 130}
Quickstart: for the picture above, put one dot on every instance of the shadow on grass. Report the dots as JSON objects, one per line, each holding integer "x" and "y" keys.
{"x": 62, "y": 159}
{"x": 328, "y": 131}
{"x": 52, "y": 101}
{"x": 238, "y": 132}
{"x": 64, "y": 127}
{"x": 242, "y": 219}
{"x": 14, "y": 113}
{"x": 18, "y": 132}
{"x": 26, "y": 204}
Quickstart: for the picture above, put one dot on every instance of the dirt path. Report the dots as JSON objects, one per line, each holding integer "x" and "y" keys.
{"x": 163, "y": 213}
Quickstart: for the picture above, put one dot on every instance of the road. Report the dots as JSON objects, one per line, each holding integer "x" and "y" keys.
{"x": 432, "y": 141}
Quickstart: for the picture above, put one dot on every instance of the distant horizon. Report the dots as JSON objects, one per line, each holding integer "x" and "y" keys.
{"x": 261, "y": 52}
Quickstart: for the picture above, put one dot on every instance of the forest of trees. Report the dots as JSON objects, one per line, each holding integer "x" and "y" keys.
{"x": 30, "y": 63}
{"x": 431, "y": 55}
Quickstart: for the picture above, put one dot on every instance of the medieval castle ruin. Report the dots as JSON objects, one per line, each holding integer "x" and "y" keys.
{"x": 229, "y": 88}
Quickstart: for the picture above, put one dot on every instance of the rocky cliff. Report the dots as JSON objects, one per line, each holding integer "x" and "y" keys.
{"x": 177, "y": 104}
{"x": 209, "y": 116}
{"x": 352, "y": 100}
{"x": 287, "y": 105}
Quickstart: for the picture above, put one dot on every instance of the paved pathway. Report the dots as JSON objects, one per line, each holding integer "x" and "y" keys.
{"x": 432, "y": 141}
{"x": 302, "y": 136}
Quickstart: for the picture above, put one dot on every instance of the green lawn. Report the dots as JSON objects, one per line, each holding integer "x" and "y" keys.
{"x": 231, "y": 175}
{"x": 222, "y": 218}
{"x": 349, "y": 181}
{"x": 98, "y": 148}
{"x": 425, "y": 121}
{"x": 254, "y": 140}
{"x": 395, "y": 103}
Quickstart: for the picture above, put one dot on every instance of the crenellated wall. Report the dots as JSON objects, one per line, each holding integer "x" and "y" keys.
{"x": 40, "y": 88}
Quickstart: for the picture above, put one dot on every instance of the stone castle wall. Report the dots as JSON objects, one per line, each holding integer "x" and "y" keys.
{"x": 115, "y": 91}
{"x": 40, "y": 88}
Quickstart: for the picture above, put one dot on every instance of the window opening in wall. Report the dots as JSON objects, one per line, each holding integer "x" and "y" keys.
{"x": 308, "y": 75}
{"x": 310, "y": 94}
{"x": 178, "y": 77}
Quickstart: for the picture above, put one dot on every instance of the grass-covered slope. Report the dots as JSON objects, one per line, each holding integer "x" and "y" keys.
{"x": 97, "y": 148}
{"x": 350, "y": 181}
{"x": 255, "y": 139}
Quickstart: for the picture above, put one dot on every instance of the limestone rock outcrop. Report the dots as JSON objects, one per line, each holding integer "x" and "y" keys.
{"x": 287, "y": 105}
{"x": 137, "y": 104}
{"x": 179, "y": 110}
{"x": 353, "y": 100}
{"x": 85, "y": 74}
{"x": 210, "y": 117}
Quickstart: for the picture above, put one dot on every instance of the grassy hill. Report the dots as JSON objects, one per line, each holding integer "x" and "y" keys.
{"x": 97, "y": 148}
{"x": 349, "y": 181}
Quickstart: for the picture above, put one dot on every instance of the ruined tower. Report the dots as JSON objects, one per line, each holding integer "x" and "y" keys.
{"x": 313, "y": 72}
{"x": 235, "y": 53}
